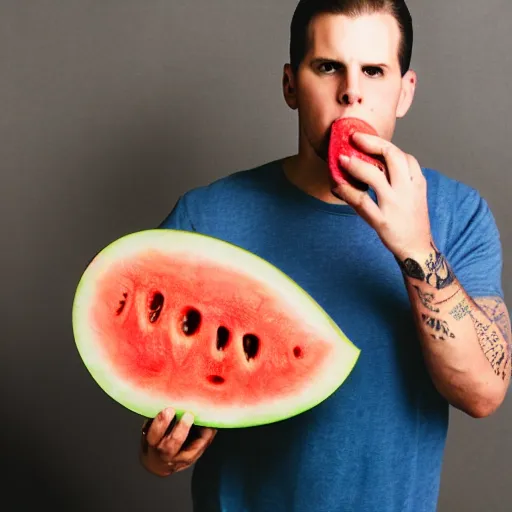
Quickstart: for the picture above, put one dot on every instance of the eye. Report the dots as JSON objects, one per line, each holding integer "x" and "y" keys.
{"x": 373, "y": 71}
{"x": 331, "y": 66}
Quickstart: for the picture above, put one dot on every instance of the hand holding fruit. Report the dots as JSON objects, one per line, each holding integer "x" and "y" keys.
{"x": 169, "y": 446}
{"x": 400, "y": 217}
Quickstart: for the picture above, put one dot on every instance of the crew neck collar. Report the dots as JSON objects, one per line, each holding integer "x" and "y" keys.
{"x": 312, "y": 201}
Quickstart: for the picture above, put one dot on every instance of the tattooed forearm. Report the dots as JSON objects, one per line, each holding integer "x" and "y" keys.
{"x": 460, "y": 310}
{"x": 435, "y": 270}
{"x": 426, "y": 299}
{"x": 487, "y": 326}
{"x": 494, "y": 351}
{"x": 439, "y": 328}
{"x": 495, "y": 310}
{"x": 441, "y": 316}
{"x": 493, "y": 321}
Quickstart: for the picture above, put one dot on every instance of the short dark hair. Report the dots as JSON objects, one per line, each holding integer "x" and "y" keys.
{"x": 306, "y": 10}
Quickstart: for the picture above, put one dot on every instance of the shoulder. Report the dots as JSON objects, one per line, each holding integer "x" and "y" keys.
{"x": 467, "y": 233}
{"x": 454, "y": 201}
{"x": 442, "y": 186}
{"x": 219, "y": 202}
{"x": 460, "y": 215}
{"x": 233, "y": 187}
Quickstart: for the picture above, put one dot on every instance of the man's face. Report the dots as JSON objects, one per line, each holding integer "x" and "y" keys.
{"x": 351, "y": 70}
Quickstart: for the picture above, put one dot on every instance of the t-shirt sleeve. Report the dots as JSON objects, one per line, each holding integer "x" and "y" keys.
{"x": 474, "y": 250}
{"x": 178, "y": 218}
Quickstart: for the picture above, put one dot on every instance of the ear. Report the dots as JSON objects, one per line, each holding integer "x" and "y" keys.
{"x": 289, "y": 87}
{"x": 409, "y": 81}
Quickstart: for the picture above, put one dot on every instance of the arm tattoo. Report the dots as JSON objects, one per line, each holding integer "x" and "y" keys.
{"x": 440, "y": 328}
{"x": 493, "y": 350}
{"x": 461, "y": 310}
{"x": 426, "y": 299}
{"x": 493, "y": 309}
{"x": 437, "y": 272}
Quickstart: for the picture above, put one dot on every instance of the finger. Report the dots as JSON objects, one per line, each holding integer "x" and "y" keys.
{"x": 367, "y": 173}
{"x": 371, "y": 144}
{"x": 362, "y": 203}
{"x": 197, "y": 447}
{"x": 159, "y": 426}
{"x": 171, "y": 444}
{"x": 203, "y": 438}
{"x": 396, "y": 160}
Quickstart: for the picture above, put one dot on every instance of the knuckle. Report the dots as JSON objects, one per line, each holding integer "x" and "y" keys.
{"x": 161, "y": 416}
{"x": 360, "y": 201}
{"x": 383, "y": 224}
{"x": 168, "y": 447}
{"x": 390, "y": 151}
{"x": 163, "y": 452}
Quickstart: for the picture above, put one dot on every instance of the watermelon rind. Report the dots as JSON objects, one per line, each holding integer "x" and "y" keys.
{"x": 148, "y": 404}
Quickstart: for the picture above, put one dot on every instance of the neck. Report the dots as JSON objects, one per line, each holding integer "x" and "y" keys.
{"x": 311, "y": 176}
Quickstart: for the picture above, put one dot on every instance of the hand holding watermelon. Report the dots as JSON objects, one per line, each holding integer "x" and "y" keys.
{"x": 400, "y": 217}
{"x": 169, "y": 445}
{"x": 341, "y": 143}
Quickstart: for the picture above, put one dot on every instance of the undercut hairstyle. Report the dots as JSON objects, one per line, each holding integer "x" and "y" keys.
{"x": 306, "y": 10}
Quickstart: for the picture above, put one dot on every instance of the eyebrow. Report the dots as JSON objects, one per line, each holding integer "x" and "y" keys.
{"x": 318, "y": 60}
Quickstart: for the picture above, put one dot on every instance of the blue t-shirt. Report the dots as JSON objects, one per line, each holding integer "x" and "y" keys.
{"x": 376, "y": 445}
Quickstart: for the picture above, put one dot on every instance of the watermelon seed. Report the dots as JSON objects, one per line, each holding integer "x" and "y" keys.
{"x": 251, "y": 346}
{"x": 222, "y": 337}
{"x": 122, "y": 304}
{"x": 191, "y": 321}
{"x": 297, "y": 352}
{"x": 215, "y": 379}
{"x": 156, "y": 307}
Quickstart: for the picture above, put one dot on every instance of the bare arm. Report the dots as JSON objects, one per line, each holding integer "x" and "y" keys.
{"x": 466, "y": 342}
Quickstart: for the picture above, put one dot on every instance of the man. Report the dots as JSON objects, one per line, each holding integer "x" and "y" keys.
{"x": 410, "y": 270}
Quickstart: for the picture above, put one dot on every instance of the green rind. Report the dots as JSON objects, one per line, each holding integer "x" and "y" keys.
{"x": 100, "y": 373}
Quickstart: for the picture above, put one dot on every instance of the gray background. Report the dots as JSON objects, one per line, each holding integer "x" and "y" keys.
{"x": 110, "y": 110}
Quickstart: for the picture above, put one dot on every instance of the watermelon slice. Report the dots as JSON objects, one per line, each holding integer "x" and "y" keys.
{"x": 169, "y": 318}
{"x": 340, "y": 143}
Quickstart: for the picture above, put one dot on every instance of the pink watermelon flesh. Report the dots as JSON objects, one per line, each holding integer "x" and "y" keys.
{"x": 341, "y": 143}
{"x": 178, "y": 326}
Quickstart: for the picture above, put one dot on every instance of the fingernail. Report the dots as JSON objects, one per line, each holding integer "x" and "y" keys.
{"x": 344, "y": 159}
{"x": 188, "y": 417}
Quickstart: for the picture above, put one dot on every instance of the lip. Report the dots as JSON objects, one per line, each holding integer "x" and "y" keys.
{"x": 352, "y": 116}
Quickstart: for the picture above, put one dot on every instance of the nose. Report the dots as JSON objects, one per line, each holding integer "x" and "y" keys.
{"x": 350, "y": 90}
{"x": 351, "y": 98}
